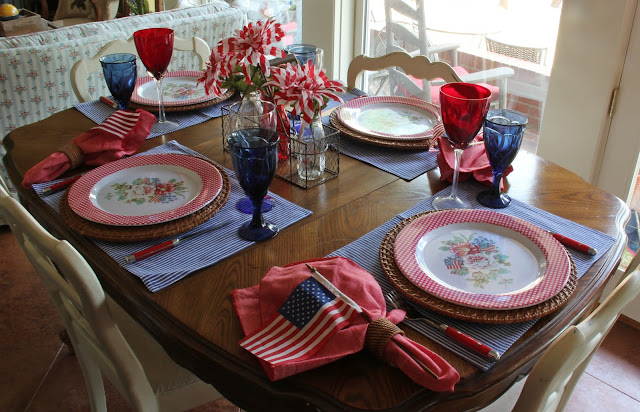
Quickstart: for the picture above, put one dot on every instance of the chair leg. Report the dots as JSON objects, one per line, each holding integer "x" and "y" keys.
{"x": 64, "y": 337}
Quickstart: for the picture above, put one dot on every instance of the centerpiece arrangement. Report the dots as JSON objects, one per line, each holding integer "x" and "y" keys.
{"x": 308, "y": 150}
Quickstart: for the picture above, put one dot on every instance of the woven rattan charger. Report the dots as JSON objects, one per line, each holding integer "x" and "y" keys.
{"x": 187, "y": 107}
{"x": 122, "y": 234}
{"x": 419, "y": 144}
{"x": 422, "y": 298}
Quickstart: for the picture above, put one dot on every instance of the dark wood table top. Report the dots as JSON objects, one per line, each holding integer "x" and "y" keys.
{"x": 194, "y": 318}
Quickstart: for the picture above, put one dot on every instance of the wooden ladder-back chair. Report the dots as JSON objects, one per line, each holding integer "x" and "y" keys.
{"x": 104, "y": 337}
{"x": 554, "y": 376}
{"x": 418, "y": 66}
{"x": 82, "y": 68}
{"x": 410, "y": 35}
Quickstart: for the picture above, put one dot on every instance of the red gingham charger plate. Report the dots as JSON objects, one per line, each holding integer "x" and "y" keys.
{"x": 179, "y": 88}
{"x": 391, "y": 117}
{"x": 482, "y": 259}
{"x": 145, "y": 190}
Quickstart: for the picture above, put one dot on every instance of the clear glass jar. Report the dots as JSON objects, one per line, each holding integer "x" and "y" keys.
{"x": 312, "y": 147}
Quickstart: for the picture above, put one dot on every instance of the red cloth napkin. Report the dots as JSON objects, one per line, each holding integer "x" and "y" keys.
{"x": 121, "y": 134}
{"x": 474, "y": 163}
{"x": 257, "y": 305}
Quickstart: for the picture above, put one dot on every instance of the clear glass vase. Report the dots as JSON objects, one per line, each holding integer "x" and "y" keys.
{"x": 312, "y": 150}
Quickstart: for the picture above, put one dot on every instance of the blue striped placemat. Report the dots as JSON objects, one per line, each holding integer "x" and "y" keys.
{"x": 98, "y": 112}
{"x": 166, "y": 268}
{"x": 406, "y": 164}
{"x": 364, "y": 251}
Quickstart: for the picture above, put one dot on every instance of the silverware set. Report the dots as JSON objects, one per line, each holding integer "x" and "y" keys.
{"x": 398, "y": 302}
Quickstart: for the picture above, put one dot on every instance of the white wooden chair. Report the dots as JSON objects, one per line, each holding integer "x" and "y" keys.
{"x": 399, "y": 37}
{"x": 82, "y": 68}
{"x": 553, "y": 378}
{"x": 418, "y": 66}
{"x": 104, "y": 337}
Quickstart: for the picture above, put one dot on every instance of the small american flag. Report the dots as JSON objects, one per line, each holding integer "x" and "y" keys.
{"x": 309, "y": 317}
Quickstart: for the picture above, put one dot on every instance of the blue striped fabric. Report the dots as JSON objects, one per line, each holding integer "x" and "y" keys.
{"x": 364, "y": 251}
{"x": 406, "y": 164}
{"x": 166, "y": 268}
{"x": 98, "y": 112}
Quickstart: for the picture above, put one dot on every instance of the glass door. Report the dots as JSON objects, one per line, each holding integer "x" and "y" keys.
{"x": 509, "y": 44}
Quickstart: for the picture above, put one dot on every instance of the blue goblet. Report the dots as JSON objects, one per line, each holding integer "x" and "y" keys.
{"x": 307, "y": 52}
{"x": 503, "y": 131}
{"x": 253, "y": 143}
{"x": 120, "y": 73}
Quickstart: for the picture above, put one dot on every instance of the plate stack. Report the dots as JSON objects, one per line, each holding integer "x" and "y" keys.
{"x": 145, "y": 197}
{"x": 181, "y": 92}
{"x": 389, "y": 121}
{"x": 478, "y": 265}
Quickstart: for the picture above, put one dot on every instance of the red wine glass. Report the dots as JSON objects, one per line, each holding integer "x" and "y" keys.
{"x": 463, "y": 107}
{"x": 155, "y": 47}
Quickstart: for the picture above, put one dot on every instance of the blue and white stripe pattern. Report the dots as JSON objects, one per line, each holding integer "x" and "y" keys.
{"x": 364, "y": 251}
{"x": 166, "y": 268}
{"x": 98, "y": 112}
{"x": 406, "y": 164}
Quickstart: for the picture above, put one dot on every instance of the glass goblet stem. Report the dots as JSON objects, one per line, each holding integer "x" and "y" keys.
{"x": 456, "y": 171}
{"x": 495, "y": 186}
{"x": 257, "y": 220}
{"x": 161, "y": 116}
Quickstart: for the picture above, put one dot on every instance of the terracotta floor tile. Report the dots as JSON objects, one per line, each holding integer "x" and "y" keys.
{"x": 64, "y": 390}
{"x": 27, "y": 313}
{"x": 593, "y": 395}
{"x": 21, "y": 372}
{"x": 617, "y": 362}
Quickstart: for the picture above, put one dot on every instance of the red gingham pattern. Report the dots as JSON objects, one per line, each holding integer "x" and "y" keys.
{"x": 137, "y": 98}
{"x": 81, "y": 204}
{"x": 558, "y": 265}
{"x": 437, "y": 130}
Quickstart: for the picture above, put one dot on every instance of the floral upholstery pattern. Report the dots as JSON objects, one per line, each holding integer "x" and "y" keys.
{"x": 35, "y": 68}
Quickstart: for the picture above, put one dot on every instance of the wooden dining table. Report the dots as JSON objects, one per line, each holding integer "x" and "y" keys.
{"x": 195, "y": 321}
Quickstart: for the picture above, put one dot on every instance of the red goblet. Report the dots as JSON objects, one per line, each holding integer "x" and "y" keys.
{"x": 464, "y": 107}
{"x": 155, "y": 47}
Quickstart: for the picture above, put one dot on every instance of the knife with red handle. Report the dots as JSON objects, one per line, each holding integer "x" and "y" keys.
{"x": 169, "y": 244}
{"x": 60, "y": 185}
{"x": 465, "y": 339}
{"x": 574, "y": 244}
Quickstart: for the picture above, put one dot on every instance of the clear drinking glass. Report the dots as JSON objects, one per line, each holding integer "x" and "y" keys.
{"x": 463, "y": 107}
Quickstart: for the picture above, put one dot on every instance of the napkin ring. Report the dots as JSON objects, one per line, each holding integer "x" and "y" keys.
{"x": 378, "y": 334}
{"x": 74, "y": 153}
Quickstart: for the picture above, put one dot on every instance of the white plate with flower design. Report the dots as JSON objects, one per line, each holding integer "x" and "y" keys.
{"x": 179, "y": 88}
{"x": 482, "y": 259}
{"x": 145, "y": 190}
{"x": 391, "y": 117}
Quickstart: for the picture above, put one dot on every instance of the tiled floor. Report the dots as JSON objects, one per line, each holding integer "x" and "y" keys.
{"x": 37, "y": 373}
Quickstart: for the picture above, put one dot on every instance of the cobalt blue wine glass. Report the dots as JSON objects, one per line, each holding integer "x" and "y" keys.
{"x": 253, "y": 143}
{"x": 120, "y": 73}
{"x": 308, "y": 52}
{"x": 503, "y": 131}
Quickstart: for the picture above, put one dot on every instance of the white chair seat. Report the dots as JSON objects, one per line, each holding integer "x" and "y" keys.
{"x": 174, "y": 386}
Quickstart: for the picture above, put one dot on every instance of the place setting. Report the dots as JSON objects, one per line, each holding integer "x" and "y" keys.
{"x": 484, "y": 265}
{"x": 178, "y": 98}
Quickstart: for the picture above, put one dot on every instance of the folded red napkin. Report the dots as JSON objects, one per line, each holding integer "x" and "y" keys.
{"x": 258, "y": 305}
{"x": 474, "y": 163}
{"x": 121, "y": 134}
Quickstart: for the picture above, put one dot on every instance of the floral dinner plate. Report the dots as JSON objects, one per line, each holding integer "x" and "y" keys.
{"x": 482, "y": 259}
{"x": 145, "y": 190}
{"x": 179, "y": 88}
{"x": 391, "y": 117}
